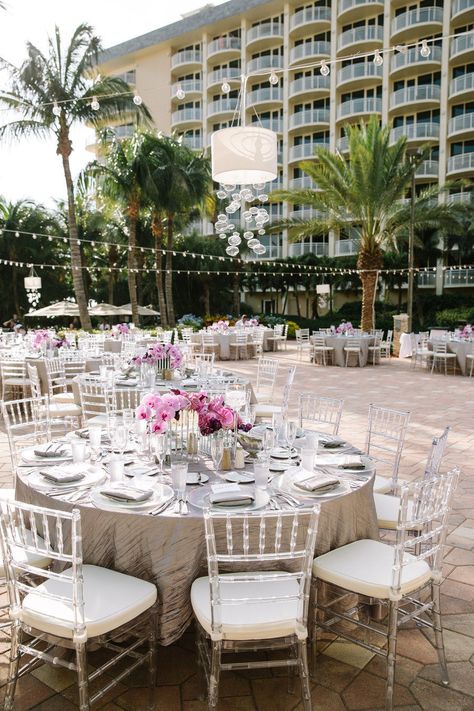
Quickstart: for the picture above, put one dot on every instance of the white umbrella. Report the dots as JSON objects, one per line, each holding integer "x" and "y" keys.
{"x": 105, "y": 310}
{"x": 61, "y": 308}
{"x": 126, "y": 310}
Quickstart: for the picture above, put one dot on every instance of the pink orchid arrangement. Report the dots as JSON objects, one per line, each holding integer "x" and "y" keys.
{"x": 252, "y": 322}
{"x": 345, "y": 327}
{"x": 120, "y": 329}
{"x": 221, "y": 326}
{"x": 41, "y": 338}
{"x": 161, "y": 352}
{"x": 467, "y": 331}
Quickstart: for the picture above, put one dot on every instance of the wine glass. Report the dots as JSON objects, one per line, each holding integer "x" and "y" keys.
{"x": 291, "y": 428}
{"x": 217, "y": 451}
{"x": 120, "y": 438}
{"x": 160, "y": 449}
{"x": 95, "y": 439}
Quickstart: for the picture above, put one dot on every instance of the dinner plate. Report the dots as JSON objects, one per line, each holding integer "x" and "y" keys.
{"x": 285, "y": 483}
{"x": 276, "y": 466}
{"x": 92, "y": 475}
{"x": 197, "y": 478}
{"x": 161, "y": 494}
{"x": 141, "y": 470}
{"x": 283, "y": 453}
{"x": 200, "y": 499}
{"x": 240, "y": 477}
{"x": 28, "y": 456}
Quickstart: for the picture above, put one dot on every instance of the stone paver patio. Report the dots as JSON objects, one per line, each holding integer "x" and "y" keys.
{"x": 348, "y": 678}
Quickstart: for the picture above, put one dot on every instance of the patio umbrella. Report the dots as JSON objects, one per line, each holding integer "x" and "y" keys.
{"x": 105, "y": 310}
{"x": 61, "y": 308}
{"x": 126, "y": 310}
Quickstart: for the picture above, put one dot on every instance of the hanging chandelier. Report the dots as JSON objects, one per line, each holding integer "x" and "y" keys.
{"x": 33, "y": 287}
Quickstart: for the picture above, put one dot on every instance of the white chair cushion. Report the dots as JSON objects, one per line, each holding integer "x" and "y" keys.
{"x": 266, "y": 410}
{"x": 365, "y": 567}
{"x": 387, "y": 508}
{"x": 62, "y": 409}
{"x": 444, "y": 355}
{"x": 382, "y": 485}
{"x": 249, "y": 620}
{"x": 63, "y": 397}
{"x": 111, "y": 599}
{"x": 16, "y": 381}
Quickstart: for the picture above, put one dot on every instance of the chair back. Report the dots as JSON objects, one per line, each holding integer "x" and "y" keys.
{"x": 204, "y": 363}
{"x": 424, "y": 507}
{"x": 283, "y": 541}
{"x": 435, "y": 456}
{"x": 125, "y": 398}
{"x": 278, "y": 329}
{"x": 241, "y": 337}
{"x": 95, "y": 397}
{"x": 47, "y": 533}
{"x": 27, "y": 422}
{"x": 317, "y": 410}
{"x": 319, "y": 339}
{"x": 302, "y": 335}
{"x": 267, "y": 371}
{"x": 440, "y": 347}
{"x": 56, "y": 376}
{"x": 13, "y": 370}
{"x": 386, "y": 432}
{"x": 74, "y": 367}
{"x": 35, "y": 382}
{"x": 290, "y": 376}
{"x": 207, "y": 338}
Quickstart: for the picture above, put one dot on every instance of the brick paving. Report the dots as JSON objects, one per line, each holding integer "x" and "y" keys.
{"x": 348, "y": 678}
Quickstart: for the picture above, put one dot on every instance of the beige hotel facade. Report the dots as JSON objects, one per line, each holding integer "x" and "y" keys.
{"x": 427, "y": 98}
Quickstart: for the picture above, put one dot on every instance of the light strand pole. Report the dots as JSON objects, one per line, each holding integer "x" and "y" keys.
{"x": 412, "y": 154}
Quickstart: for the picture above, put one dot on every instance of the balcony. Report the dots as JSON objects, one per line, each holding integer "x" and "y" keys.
{"x": 358, "y": 9}
{"x": 310, "y": 117}
{"x": 274, "y": 124}
{"x": 186, "y": 116}
{"x": 342, "y": 144}
{"x": 186, "y": 57}
{"x": 267, "y": 95}
{"x": 310, "y": 50}
{"x": 224, "y": 46}
{"x": 428, "y": 20}
{"x": 271, "y": 61}
{"x": 303, "y": 183}
{"x": 422, "y": 131}
{"x": 359, "y": 72}
{"x": 320, "y": 249}
{"x": 462, "y": 163}
{"x": 404, "y": 62}
{"x": 451, "y": 278}
{"x": 459, "y": 7}
{"x": 194, "y": 142}
{"x": 461, "y": 85}
{"x": 461, "y": 124}
{"x": 428, "y": 169}
{"x": 304, "y": 151}
{"x": 305, "y": 213}
{"x": 346, "y": 247}
{"x": 265, "y": 33}
{"x": 421, "y": 94}
{"x": 465, "y": 198}
{"x": 307, "y": 19}
{"x": 371, "y": 35}
{"x": 369, "y": 105}
{"x": 231, "y": 74}
{"x": 190, "y": 87}
{"x": 464, "y": 44}
{"x": 307, "y": 85}
{"x": 221, "y": 106}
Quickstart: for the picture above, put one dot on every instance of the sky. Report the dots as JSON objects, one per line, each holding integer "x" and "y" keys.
{"x": 31, "y": 169}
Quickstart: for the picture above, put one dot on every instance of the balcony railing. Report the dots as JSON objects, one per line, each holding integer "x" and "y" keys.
{"x": 424, "y": 130}
{"x": 465, "y": 198}
{"x": 410, "y": 94}
{"x": 266, "y": 95}
{"x": 460, "y": 163}
{"x": 123, "y": 131}
{"x": 273, "y": 124}
{"x": 412, "y": 56}
{"x": 419, "y": 16}
{"x": 345, "y": 5}
{"x": 460, "y": 84}
{"x": 194, "y": 142}
{"x": 428, "y": 169}
{"x": 359, "y": 71}
{"x": 221, "y": 106}
{"x": 188, "y": 56}
{"x": 313, "y": 83}
{"x": 186, "y": 115}
{"x": 459, "y": 6}
{"x": 346, "y": 247}
{"x": 304, "y": 182}
{"x": 310, "y": 14}
{"x": 190, "y": 86}
{"x": 310, "y": 49}
{"x": 458, "y": 124}
{"x": 266, "y": 29}
{"x": 309, "y": 117}
{"x": 342, "y": 144}
{"x": 368, "y": 33}
{"x": 224, "y": 44}
{"x": 368, "y": 105}
{"x": 463, "y": 43}
{"x": 218, "y": 75}
{"x": 321, "y": 249}
{"x": 267, "y": 61}
{"x": 451, "y": 278}
{"x": 304, "y": 151}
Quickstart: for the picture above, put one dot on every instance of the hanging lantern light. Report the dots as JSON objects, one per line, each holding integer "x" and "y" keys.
{"x": 243, "y": 155}
{"x": 33, "y": 287}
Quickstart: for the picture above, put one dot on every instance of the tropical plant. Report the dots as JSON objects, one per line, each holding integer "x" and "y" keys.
{"x": 364, "y": 193}
{"x": 51, "y": 92}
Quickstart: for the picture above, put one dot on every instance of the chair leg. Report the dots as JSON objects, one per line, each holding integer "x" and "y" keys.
{"x": 391, "y": 654}
{"x": 303, "y": 667}
{"x": 216, "y": 651}
{"x": 82, "y": 677}
{"x": 438, "y": 633}
{"x": 13, "y": 668}
{"x": 314, "y": 629}
{"x": 152, "y": 659}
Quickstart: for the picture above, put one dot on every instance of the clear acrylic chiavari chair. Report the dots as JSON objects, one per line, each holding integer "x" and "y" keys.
{"x": 95, "y": 399}
{"x": 320, "y": 350}
{"x": 75, "y": 605}
{"x": 27, "y": 423}
{"x": 386, "y": 431}
{"x": 322, "y": 412}
{"x": 267, "y": 372}
{"x": 64, "y": 415}
{"x": 268, "y": 409}
{"x": 353, "y": 347}
{"x": 404, "y": 579}
{"x": 14, "y": 378}
{"x": 240, "y": 607}
{"x": 57, "y": 382}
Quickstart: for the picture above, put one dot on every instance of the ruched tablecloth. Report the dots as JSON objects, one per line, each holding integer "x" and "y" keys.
{"x": 339, "y": 342}
{"x": 224, "y": 341}
{"x": 461, "y": 348}
{"x": 170, "y": 551}
{"x": 406, "y": 345}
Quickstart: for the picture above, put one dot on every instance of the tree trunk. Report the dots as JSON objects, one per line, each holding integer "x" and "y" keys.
{"x": 236, "y": 295}
{"x": 16, "y": 300}
{"x": 157, "y": 231}
{"x": 64, "y": 149}
{"x": 371, "y": 263}
{"x": 285, "y": 301}
{"x": 169, "y": 273}
{"x": 132, "y": 277}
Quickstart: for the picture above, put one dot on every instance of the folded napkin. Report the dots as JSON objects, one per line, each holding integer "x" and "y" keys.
{"x": 84, "y": 434}
{"x": 230, "y": 495}
{"x": 188, "y": 382}
{"x": 333, "y": 443}
{"x": 59, "y": 475}
{"x": 351, "y": 462}
{"x": 49, "y": 451}
{"x": 126, "y": 493}
{"x": 319, "y": 482}
{"x": 128, "y": 382}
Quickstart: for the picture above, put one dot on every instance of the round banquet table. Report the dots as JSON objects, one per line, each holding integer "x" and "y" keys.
{"x": 339, "y": 342}
{"x": 225, "y": 339}
{"x": 461, "y": 348}
{"x": 169, "y": 549}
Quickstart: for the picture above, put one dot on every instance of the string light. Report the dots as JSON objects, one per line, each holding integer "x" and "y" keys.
{"x": 425, "y": 51}
{"x": 324, "y": 69}
{"x": 95, "y": 106}
{"x": 137, "y": 100}
{"x": 180, "y": 93}
{"x": 378, "y": 59}
{"x": 56, "y": 109}
{"x": 273, "y": 79}
{"x": 225, "y": 88}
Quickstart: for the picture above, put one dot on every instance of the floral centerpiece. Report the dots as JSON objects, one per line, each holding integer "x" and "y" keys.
{"x": 252, "y": 322}
{"x": 165, "y": 357}
{"x": 120, "y": 329}
{"x": 467, "y": 331}
{"x": 345, "y": 327}
{"x": 220, "y": 326}
{"x": 44, "y": 340}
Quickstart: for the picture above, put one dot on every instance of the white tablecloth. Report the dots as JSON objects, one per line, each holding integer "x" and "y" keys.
{"x": 224, "y": 341}
{"x": 339, "y": 342}
{"x": 405, "y": 345}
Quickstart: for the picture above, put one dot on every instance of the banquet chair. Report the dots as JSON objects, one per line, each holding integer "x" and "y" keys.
{"x": 421, "y": 353}
{"x": 256, "y": 341}
{"x": 275, "y": 337}
{"x": 353, "y": 347}
{"x": 66, "y": 415}
{"x": 267, "y": 371}
{"x": 240, "y": 347}
{"x": 268, "y": 409}
{"x": 83, "y": 604}
{"x": 14, "y": 378}
{"x": 386, "y": 430}
{"x": 57, "y": 382}
{"x": 124, "y": 398}
{"x": 470, "y": 360}
{"x": 317, "y": 410}
{"x": 27, "y": 423}
{"x": 283, "y": 337}
{"x": 204, "y": 363}
{"x": 441, "y": 356}
{"x": 404, "y": 578}
{"x": 387, "y": 505}
{"x": 303, "y": 344}
{"x": 245, "y": 609}
{"x": 386, "y": 345}
{"x": 375, "y": 350}
{"x": 95, "y": 400}
{"x": 209, "y": 343}
{"x": 319, "y": 347}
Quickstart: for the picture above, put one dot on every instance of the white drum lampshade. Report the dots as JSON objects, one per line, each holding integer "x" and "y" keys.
{"x": 33, "y": 283}
{"x": 323, "y": 289}
{"x": 244, "y": 155}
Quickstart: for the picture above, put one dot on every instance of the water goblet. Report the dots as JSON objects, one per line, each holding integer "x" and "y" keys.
{"x": 78, "y": 450}
{"x": 95, "y": 440}
{"x": 291, "y": 428}
{"x": 217, "y": 451}
{"x": 160, "y": 449}
{"x": 261, "y": 472}
{"x": 307, "y": 459}
{"x": 179, "y": 474}
{"x": 120, "y": 438}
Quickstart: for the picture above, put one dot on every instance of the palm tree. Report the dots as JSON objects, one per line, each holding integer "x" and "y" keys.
{"x": 54, "y": 91}
{"x": 364, "y": 192}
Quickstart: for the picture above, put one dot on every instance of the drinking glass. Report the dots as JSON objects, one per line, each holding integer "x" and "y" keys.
{"x": 95, "y": 440}
{"x": 291, "y": 428}
{"x": 261, "y": 471}
{"x": 179, "y": 473}
{"x": 217, "y": 450}
{"x": 116, "y": 468}
{"x": 307, "y": 459}
{"x": 78, "y": 450}
{"x": 128, "y": 418}
{"x": 160, "y": 448}
{"x": 112, "y": 417}
{"x": 120, "y": 438}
